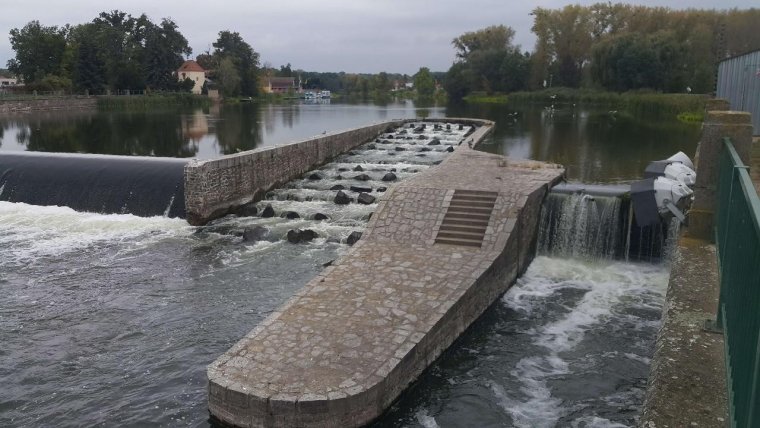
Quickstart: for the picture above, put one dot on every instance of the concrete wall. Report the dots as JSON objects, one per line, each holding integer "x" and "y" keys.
{"x": 45, "y": 104}
{"x": 215, "y": 187}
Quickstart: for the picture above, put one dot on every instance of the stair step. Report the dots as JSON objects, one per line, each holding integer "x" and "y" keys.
{"x": 461, "y": 235}
{"x": 472, "y": 228}
{"x": 484, "y": 205}
{"x": 462, "y": 242}
{"x": 477, "y": 210}
{"x": 468, "y": 216}
{"x": 486, "y": 208}
{"x": 475, "y": 192}
{"x": 448, "y": 221}
{"x": 458, "y": 197}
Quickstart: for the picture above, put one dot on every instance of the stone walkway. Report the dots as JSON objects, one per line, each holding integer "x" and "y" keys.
{"x": 341, "y": 350}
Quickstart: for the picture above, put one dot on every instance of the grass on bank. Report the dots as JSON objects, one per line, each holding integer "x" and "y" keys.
{"x": 684, "y": 106}
{"x": 129, "y": 102}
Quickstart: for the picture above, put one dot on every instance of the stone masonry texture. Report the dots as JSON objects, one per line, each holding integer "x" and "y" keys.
{"x": 344, "y": 347}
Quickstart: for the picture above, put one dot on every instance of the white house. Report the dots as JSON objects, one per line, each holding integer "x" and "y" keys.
{"x": 193, "y": 71}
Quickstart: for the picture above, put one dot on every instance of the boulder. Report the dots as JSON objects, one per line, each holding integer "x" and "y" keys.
{"x": 461, "y": 127}
{"x": 434, "y": 142}
{"x": 381, "y": 189}
{"x": 353, "y": 237}
{"x": 360, "y": 189}
{"x": 268, "y": 211}
{"x": 371, "y": 147}
{"x": 365, "y": 198}
{"x": 448, "y": 127}
{"x": 315, "y": 176}
{"x": 339, "y": 177}
{"x": 338, "y": 187}
{"x": 424, "y": 149}
{"x": 449, "y": 149}
{"x": 298, "y": 236}
{"x": 246, "y": 210}
{"x": 342, "y": 169}
{"x": 342, "y": 198}
{"x": 358, "y": 168}
{"x": 320, "y": 216}
{"x": 399, "y": 149}
{"x": 290, "y": 215}
{"x": 390, "y": 177}
{"x": 362, "y": 177}
{"x": 422, "y": 137}
{"x": 255, "y": 234}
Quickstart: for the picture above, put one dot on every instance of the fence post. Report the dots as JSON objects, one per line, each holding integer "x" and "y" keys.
{"x": 717, "y": 125}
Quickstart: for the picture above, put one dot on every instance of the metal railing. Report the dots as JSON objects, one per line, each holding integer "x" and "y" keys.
{"x": 738, "y": 242}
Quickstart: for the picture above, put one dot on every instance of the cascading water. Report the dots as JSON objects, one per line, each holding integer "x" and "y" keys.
{"x": 369, "y": 169}
{"x": 595, "y": 227}
{"x": 581, "y": 226}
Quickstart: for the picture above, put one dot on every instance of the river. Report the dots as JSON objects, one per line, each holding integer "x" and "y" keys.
{"x": 111, "y": 319}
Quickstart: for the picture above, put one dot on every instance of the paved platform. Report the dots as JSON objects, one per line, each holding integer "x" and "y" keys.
{"x": 687, "y": 381}
{"x": 341, "y": 350}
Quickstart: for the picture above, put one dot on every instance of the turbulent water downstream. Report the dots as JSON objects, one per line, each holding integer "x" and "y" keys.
{"x": 111, "y": 319}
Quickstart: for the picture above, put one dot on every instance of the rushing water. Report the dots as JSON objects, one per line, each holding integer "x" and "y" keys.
{"x": 111, "y": 319}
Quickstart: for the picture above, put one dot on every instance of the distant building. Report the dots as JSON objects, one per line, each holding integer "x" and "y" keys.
{"x": 8, "y": 81}
{"x": 280, "y": 85}
{"x": 193, "y": 71}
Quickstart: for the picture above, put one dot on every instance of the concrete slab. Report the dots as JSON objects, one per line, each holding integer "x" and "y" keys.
{"x": 343, "y": 348}
{"x": 687, "y": 381}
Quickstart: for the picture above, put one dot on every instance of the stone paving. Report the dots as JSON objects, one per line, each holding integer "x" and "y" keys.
{"x": 342, "y": 349}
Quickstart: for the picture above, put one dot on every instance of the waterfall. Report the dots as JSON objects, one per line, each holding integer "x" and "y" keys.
{"x": 102, "y": 184}
{"x": 593, "y": 227}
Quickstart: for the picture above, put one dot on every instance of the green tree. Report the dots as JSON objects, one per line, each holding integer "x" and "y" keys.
{"x": 424, "y": 83}
{"x": 487, "y": 61}
{"x": 164, "y": 50}
{"x": 39, "y": 51}
{"x": 231, "y": 46}
{"x": 229, "y": 78}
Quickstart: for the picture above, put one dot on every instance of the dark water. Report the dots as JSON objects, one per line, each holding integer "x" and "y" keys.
{"x": 111, "y": 319}
{"x": 593, "y": 144}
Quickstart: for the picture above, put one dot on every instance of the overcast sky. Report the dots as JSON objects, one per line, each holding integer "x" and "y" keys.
{"x": 361, "y": 36}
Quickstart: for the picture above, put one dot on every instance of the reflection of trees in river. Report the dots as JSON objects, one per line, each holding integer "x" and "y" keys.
{"x": 239, "y": 129}
{"x": 595, "y": 145}
{"x": 114, "y": 133}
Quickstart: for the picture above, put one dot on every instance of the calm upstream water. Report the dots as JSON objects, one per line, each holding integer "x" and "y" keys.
{"x": 111, "y": 319}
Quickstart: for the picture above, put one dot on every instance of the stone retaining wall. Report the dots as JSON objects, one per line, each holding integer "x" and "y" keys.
{"x": 47, "y": 104}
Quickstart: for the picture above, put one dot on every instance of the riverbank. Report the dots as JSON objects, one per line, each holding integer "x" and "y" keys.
{"x": 13, "y": 106}
{"x": 687, "y": 106}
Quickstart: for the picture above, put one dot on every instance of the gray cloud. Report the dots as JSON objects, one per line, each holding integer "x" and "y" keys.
{"x": 328, "y": 35}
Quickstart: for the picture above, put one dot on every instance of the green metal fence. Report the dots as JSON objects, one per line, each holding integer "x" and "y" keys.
{"x": 738, "y": 242}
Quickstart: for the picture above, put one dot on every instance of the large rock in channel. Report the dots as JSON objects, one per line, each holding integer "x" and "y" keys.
{"x": 298, "y": 236}
{"x": 268, "y": 211}
{"x": 341, "y": 198}
{"x": 365, "y": 198}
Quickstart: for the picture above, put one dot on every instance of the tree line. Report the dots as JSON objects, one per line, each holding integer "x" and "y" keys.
{"x": 117, "y": 52}
{"x": 615, "y": 47}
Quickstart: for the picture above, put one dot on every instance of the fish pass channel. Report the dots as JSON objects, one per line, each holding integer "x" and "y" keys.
{"x": 111, "y": 319}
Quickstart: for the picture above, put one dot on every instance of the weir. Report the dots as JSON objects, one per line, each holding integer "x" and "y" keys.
{"x": 142, "y": 186}
{"x": 440, "y": 248}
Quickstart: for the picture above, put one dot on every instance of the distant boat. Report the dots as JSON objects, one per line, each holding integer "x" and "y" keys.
{"x": 325, "y": 94}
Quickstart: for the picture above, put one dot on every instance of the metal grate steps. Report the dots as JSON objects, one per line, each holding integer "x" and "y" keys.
{"x": 467, "y": 218}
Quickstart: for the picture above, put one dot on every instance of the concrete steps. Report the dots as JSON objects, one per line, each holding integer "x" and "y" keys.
{"x": 466, "y": 218}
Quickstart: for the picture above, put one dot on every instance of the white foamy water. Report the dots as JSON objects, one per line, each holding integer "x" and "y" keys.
{"x": 28, "y": 232}
{"x": 604, "y": 292}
